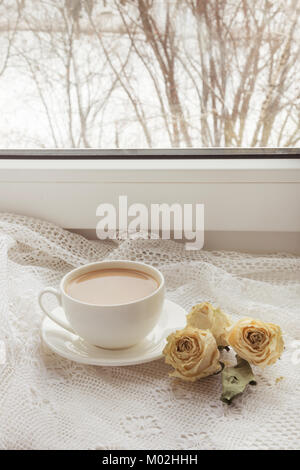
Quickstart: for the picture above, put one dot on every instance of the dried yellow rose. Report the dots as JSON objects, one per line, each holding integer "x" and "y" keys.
{"x": 193, "y": 353}
{"x": 257, "y": 342}
{"x": 207, "y": 317}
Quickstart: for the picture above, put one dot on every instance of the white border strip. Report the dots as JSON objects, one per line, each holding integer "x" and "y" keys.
{"x": 153, "y": 164}
{"x": 165, "y": 171}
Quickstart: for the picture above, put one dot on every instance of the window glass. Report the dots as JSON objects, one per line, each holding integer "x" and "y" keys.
{"x": 149, "y": 73}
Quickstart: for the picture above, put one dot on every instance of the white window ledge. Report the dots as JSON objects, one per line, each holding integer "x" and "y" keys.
{"x": 241, "y": 196}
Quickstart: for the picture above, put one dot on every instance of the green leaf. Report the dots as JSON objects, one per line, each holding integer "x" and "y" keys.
{"x": 235, "y": 380}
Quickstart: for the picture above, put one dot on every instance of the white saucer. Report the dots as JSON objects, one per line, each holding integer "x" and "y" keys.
{"x": 72, "y": 347}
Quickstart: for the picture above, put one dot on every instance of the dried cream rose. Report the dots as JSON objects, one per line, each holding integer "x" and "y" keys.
{"x": 259, "y": 343}
{"x": 207, "y": 317}
{"x": 193, "y": 353}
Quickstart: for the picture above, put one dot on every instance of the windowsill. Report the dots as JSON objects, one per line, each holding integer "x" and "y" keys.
{"x": 249, "y": 196}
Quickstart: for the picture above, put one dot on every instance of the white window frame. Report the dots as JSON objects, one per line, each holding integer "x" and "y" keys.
{"x": 250, "y": 204}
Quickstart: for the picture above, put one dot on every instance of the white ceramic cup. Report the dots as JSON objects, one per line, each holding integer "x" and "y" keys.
{"x": 109, "y": 326}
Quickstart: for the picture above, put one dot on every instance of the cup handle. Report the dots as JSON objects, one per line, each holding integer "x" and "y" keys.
{"x": 51, "y": 315}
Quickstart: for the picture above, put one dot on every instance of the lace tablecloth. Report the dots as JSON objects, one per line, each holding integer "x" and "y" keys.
{"x": 47, "y": 402}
